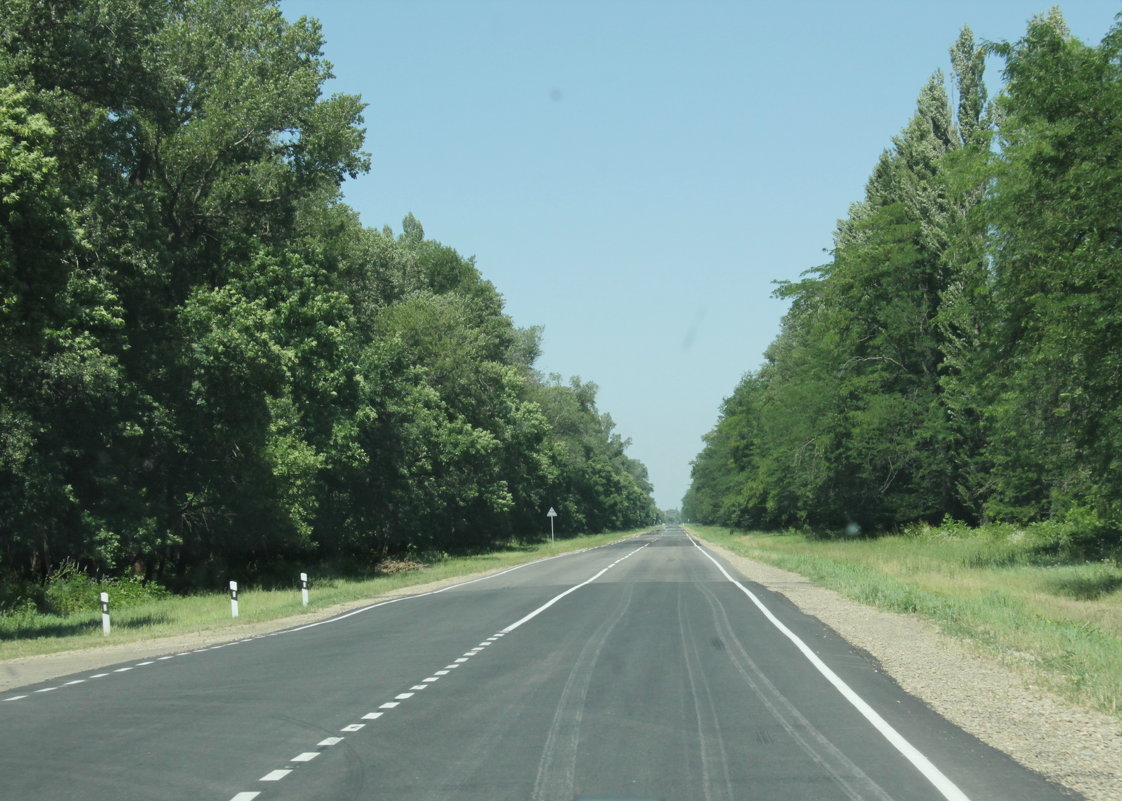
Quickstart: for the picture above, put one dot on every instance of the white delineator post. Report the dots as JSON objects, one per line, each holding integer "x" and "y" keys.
{"x": 105, "y": 613}
{"x": 304, "y": 588}
{"x": 552, "y": 513}
{"x": 233, "y": 599}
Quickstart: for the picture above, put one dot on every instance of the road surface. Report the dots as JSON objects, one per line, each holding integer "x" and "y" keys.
{"x": 641, "y": 670}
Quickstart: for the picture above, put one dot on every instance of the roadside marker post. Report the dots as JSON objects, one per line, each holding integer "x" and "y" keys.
{"x": 105, "y": 614}
{"x": 304, "y": 588}
{"x": 552, "y": 513}
{"x": 233, "y": 599}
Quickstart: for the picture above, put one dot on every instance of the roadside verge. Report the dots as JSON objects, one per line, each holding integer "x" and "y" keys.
{"x": 1078, "y": 748}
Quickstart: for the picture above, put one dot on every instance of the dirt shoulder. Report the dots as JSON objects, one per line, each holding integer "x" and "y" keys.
{"x": 1078, "y": 748}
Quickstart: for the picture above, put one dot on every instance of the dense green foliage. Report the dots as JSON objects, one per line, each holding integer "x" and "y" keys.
{"x": 208, "y": 362}
{"x": 960, "y": 355}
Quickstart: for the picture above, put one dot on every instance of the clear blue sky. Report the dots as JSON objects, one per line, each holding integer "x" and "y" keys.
{"x": 633, "y": 175}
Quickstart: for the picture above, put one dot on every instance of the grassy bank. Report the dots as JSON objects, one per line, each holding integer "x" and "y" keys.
{"x": 1014, "y": 594}
{"x": 27, "y": 633}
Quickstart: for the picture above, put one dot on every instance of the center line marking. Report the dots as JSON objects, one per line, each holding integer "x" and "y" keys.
{"x": 274, "y": 776}
{"x": 327, "y": 741}
{"x": 353, "y": 727}
{"x": 402, "y": 696}
{"x": 371, "y": 716}
{"x": 388, "y": 705}
{"x": 307, "y": 756}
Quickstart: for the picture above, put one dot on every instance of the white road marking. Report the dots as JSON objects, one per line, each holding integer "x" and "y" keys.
{"x": 46, "y": 689}
{"x": 437, "y": 592}
{"x": 472, "y": 652}
{"x": 76, "y": 681}
{"x": 945, "y": 786}
{"x": 572, "y": 589}
{"x": 308, "y": 756}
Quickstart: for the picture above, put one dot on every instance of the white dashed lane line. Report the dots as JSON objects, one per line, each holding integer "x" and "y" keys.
{"x": 308, "y": 626}
{"x": 401, "y": 698}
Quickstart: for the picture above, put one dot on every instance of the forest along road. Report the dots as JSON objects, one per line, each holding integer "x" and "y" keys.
{"x": 640, "y": 670}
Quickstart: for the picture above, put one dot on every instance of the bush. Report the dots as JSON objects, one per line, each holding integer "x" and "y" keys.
{"x": 69, "y": 590}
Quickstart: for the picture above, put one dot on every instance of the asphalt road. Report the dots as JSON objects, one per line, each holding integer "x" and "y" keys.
{"x": 640, "y": 670}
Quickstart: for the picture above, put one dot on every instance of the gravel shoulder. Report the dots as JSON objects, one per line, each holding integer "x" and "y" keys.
{"x": 1077, "y": 748}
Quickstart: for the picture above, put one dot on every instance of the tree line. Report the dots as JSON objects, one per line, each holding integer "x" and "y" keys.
{"x": 960, "y": 354}
{"x": 208, "y": 361}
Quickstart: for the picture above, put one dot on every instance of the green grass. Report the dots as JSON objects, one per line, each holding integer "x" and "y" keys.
{"x": 1010, "y": 591}
{"x": 25, "y": 633}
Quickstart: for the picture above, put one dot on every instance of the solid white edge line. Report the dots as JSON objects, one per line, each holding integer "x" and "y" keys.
{"x": 938, "y": 779}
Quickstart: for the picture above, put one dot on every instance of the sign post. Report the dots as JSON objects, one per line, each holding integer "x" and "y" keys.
{"x": 304, "y": 588}
{"x": 233, "y": 599}
{"x": 552, "y": 513}
{"x": 105, "y": 613}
